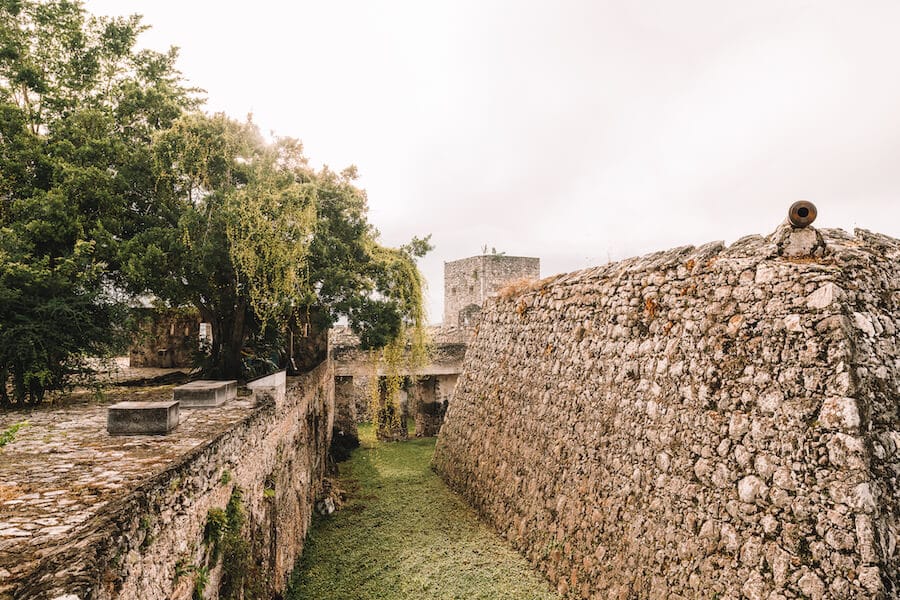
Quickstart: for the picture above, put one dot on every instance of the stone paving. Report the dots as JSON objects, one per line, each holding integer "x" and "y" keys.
{"x": 63, "y": 467}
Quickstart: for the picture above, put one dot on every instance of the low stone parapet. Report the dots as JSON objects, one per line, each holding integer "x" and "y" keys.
{"x": 270, "y": 386}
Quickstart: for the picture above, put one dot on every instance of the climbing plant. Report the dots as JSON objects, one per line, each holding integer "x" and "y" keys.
{"x": 404, "y": 354}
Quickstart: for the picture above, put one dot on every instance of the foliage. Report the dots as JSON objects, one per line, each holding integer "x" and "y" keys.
{"x": 52, "y": 313}
{"x": 248, "y": 233}
{"x": 229, "y": 232}
{"x": 402, "y": 358}
{"x": 78, "y": 106}
{"x": 421, "y": 540}
{"x": 201, "y": 580}
{"x": 224, "y": 536}
{"x": 377, "y": 288}
{"x": 9, "y": 434}
{"x": 214, "y": 532}
{"x": 201, "y": 577}
{"x": 110, "y": 184}
{"x": 403, "y": 353}
{"x": 241, "y": 579}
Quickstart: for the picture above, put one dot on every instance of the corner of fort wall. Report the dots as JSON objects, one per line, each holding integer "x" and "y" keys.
{"x": 698, "y": 423}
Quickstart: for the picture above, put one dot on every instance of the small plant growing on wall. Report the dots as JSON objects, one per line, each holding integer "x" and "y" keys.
{"x": 201, "y": 580}
{"x": 214, "y": 532}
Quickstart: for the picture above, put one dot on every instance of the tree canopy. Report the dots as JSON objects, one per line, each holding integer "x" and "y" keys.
{"x": 113, "y": 183}
{"x": 78, "y": 108}
{"x": 252, "y": 234}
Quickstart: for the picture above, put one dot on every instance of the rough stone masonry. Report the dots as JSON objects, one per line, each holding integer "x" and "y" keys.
{"x": 122, "y": 518}
{"x": 705, "y": 422}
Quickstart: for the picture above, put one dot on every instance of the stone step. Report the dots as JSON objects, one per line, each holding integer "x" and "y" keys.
{"x": 142, "y": 418}
{"x": 205, "y": 393}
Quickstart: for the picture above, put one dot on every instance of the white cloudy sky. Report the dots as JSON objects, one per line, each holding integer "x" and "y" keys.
{"x": 574, "y": 130}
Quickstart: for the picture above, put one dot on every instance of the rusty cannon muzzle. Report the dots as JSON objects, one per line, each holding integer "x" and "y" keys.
{"x": 802, "y": 214}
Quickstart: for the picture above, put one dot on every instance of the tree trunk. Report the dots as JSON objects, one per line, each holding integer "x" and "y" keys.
{"x": 35, "y": 392}
{"x": 19, "y": 383}
{"x": 4, "y": 395}
{"x": 232, "y": 363}
{"x": 229, "y": 334}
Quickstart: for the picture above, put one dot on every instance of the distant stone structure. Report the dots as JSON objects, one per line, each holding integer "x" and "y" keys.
{"x": 711, "y": 422}
{"x": 468, "y": 282}
{"x": 168, "y": 338}
{"x": 426, "y": 399}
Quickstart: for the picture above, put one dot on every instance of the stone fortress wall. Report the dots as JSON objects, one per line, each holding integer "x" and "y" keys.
{"x": 711, "y": 422}
{"x": 153, "y": 542}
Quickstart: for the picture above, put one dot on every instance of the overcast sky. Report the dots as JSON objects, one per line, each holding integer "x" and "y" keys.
{"x": 578, "y": 131}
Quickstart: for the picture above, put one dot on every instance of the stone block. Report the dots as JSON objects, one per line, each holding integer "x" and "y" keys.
{"x": 205, "y": 393}
{"x": 271, "y": 386}
{"x": 142, "y": 418}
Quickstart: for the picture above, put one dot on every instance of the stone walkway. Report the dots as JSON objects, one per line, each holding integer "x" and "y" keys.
{"x": 63, "y": 468}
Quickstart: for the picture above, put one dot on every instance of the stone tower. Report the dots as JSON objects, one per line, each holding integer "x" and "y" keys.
{"x": 469, "y": 281}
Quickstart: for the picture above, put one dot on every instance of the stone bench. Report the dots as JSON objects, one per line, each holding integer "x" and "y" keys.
{"x": 142, "y": 418}
{"x": 205, "y": 393}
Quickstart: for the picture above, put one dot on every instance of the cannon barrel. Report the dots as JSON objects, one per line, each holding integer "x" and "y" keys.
{"x": 802, "y": 214}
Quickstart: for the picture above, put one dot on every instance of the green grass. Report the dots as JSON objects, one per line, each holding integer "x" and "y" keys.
{"x": 9, "y": 434}
{"x": 404, "y": 535}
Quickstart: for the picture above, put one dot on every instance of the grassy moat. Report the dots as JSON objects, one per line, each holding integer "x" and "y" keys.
{"x": 402, "y": 534}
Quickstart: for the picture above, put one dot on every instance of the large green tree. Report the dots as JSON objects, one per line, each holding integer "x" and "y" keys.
{"x": 247, "y": 232}
{"x": 78, "y": 109}
{"x": 229, "y": 231}
{"x": 110, "y": 181}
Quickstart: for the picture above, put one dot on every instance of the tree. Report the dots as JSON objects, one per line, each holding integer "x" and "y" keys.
{"x": 376, "y": 287}
{"x": 248, "y": 233}
{"x": 229, "y": 232}
{"x": 110, "y": 183}
{"x": 78, "y": 107}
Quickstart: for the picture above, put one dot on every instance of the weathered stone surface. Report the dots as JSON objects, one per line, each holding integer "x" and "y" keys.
{"x": 168, "y": 338}
{"x": 701, "y": 423}
{"x": 800, "y": 243}
{"x": 90, "y": 516}
{"x": 205, "y": 393}
{"x": 840, "y": 413}
{"x": 142, "y": 418}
